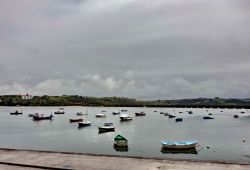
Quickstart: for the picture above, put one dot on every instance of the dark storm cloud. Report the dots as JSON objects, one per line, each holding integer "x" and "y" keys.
{"x": 143, "y": 49}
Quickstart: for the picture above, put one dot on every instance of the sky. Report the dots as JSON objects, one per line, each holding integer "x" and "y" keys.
{"x": 144, "y": 49}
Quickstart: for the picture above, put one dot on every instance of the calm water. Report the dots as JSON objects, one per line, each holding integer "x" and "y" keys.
{"x": 223, "y": 135}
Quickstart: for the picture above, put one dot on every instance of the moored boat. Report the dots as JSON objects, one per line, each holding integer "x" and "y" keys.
{"x": 75, "y": 120}
{"x": 178, "y": 119}
{"x": 236, "y": 116}
{"x": 100, "y": 115}
{"x": 16, "y": 113}
{"x": 207, "y": 117}
{"x": 38, "y": 118}
{"x": 126, "y": 117}
{"x": 115, "y": 113}
{"x": 140, "y": 113}
{"x": 120, "y": 141}
{"x": 171, "y": 116}
{"x": 84, "y": 123}
{"x": 79, "y": 114}
{"x": 106, "y": 129}
{"x": 166, "y": 114}
{"x": 60, "y": 111}
{"x": 178, "y": 144}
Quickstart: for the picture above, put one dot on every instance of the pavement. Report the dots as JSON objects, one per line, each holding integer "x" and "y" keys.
{"x": 12, "y": 159}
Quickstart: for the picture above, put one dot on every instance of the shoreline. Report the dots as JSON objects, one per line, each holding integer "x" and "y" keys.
{"x": 126, "y": 156}
{"x": 21, "y": 159}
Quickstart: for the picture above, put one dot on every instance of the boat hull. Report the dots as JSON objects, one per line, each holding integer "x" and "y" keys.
{"x": 75, "y": 120}
{"x": 100, "y": 115}
{"x": 35, "y": 118}
{"x": 140, "y": 114}
{"x": 59, "y": 113}
{"x": 121, "y": 143}
{"x": 106, "y": 129}
{"x": 126, "y": 118}
{"x": 83, "y": 124}
{"x": 178, "y": 145}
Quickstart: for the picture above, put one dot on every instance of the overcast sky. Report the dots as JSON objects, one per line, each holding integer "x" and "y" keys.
{"x": 160, "y": 49}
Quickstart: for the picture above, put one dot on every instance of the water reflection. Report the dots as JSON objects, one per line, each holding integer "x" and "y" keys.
{"x": 179, "y": 151}
{"x": 120, "y": 148}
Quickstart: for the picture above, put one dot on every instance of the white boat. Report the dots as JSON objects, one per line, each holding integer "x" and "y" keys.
{"x": 60, "y": 111}
{"x": 178, "y": 144}
{"x": 126, "y": 117}
{"x": 100, "y": 115}
{"x": 84, "y": 123}
{"x": 106, "y": 129}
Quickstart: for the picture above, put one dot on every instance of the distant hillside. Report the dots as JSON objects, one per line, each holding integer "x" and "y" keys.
{"x": 75, "y": 100}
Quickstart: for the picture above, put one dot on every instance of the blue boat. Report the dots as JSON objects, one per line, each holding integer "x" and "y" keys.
{"x": 178, "y": 144}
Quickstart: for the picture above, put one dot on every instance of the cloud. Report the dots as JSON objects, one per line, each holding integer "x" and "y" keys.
{"x": 134, "y": 48}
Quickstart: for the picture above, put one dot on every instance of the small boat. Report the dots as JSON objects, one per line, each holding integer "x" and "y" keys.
{"x": 178, "y": 144}
{"x": 103, "y": 110}
{"x": 115, "y": 113}
{"x": 242, "y": 112}
{"x": 207, "y": 117}
{"x": 100, "y": 115}
{"x": 84, "y": 123}
{"x": 75, "y": 120}
{"x": 60, "y": 111}
{"x": 236, "y": 116}
{"x": 166, "y": 114}
{"x": 124, "y": 110}
{"x": 171, "y": 116}
{"x": 190, "y": 112}
{"x": 106, "y": 129}
{"x": 162, "y": 112}
{"x": 120, "y": 141}
{"x": 180, "y": 112}
{"x": 38, "y": 118}
{"x": 108, "y": 124}
{"x": 209, "y": 114}
{"x": 140, "y": 113}
{"x": 126, "y": 117}
{"x": 16, "y": 113}
{"x": 178, "y": 120}
{"x": 79, "y": 114}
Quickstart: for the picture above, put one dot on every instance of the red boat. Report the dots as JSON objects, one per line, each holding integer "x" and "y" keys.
{"x": 140, "y": 113}
{"x": 75, "y": 120}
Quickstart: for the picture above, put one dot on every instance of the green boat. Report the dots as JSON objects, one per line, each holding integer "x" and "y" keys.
{"x": 120, "y": 141}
